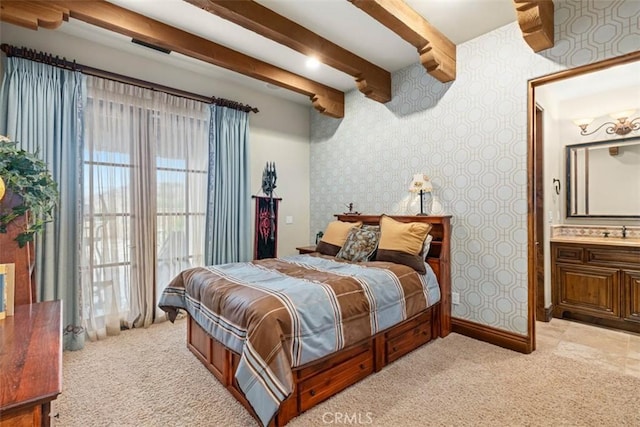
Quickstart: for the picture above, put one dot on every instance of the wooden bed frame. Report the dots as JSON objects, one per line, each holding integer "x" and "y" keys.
{"x": 321, "y": 379}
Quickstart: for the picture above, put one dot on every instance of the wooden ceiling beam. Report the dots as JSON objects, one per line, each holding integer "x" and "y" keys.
{"x": 536, "y": 22}
{"x": 371, "y": 80}
{"x": 31, "y": 14}
{"x": 437, "y": 52}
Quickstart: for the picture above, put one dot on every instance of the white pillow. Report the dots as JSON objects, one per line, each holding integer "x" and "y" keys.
{"x": 426, "y": 245}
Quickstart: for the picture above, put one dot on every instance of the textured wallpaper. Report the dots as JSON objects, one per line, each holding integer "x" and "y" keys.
{"x": 469, "y": 136}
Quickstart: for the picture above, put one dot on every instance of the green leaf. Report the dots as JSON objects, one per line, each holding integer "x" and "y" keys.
{"x": 26, "y": 175}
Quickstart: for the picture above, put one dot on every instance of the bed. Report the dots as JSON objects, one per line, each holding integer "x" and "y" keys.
{"x": 297, "y": 342}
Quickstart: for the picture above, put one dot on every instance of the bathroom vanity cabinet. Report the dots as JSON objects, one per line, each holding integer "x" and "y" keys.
{"x": 597, "y": 280}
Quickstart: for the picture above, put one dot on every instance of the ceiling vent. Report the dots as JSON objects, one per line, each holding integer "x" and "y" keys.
{"x": 151, "y": 46}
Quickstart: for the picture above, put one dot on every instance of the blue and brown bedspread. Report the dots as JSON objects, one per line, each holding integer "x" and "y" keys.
{"x": 283, "y": 313}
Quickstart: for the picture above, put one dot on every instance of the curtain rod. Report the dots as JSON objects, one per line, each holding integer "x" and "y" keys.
{"x": 47, "y": 58}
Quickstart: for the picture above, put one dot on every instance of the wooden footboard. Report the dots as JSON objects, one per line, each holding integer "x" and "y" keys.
{"x": 317, "y": 381}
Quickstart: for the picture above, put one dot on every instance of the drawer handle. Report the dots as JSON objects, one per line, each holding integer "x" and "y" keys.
{"x": 312, "y": 392}
{"x": 393, "y": 348}
{"x": 362, "y": 366}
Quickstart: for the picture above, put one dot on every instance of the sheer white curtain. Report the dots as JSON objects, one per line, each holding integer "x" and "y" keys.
{"x": 182, "y": 133}
{"x": 144, "y": 177}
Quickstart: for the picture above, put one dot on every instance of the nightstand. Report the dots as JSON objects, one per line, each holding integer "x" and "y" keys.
{"x": 306, "y": 249}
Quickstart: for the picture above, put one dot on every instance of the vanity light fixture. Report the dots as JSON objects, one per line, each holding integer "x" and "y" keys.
{"x": 622, "y": 126}
{"x": 421, "y": 184}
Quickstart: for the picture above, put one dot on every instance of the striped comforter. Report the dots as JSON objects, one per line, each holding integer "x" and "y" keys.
{"x": 282, "y": 313}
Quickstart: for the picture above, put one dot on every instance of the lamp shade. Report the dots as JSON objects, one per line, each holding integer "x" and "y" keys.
{"x": 622, "y": 115}
{"x": 420, "y": 182}
{"x": 2, "y": 188}
{"x": 583, "y": 122}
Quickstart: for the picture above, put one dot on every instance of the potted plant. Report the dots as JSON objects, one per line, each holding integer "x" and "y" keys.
{"x": 28, "y": 188}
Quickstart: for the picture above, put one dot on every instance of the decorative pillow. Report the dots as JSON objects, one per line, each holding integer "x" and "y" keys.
{"x": 426, "y": 245}
{"x": 334, "y": 237}
{"x": 402, "y": 243}
{"x": 360, "y": 244}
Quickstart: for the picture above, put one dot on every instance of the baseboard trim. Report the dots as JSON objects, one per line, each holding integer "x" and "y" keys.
{"x": 499, "y": 337}
{"x": 544, "y": 314}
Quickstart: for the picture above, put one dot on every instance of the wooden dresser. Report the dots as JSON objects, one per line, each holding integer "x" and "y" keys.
{"x": 30, "y": 363}
{"x": 597, "y": 280}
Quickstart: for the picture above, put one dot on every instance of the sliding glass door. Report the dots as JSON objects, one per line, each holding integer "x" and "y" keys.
{"x": 145, "y": 171}
{"x": 181, "y": 177}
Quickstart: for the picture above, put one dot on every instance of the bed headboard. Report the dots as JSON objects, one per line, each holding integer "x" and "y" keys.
{"x": 438, "y": 257}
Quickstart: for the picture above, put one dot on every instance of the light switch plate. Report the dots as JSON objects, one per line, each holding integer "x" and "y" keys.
{"x": 455, "y": 298}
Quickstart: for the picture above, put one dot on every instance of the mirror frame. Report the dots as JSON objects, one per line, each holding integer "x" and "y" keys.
{"x": 569, "y": 183}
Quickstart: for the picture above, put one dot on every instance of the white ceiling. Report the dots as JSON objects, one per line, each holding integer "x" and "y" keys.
{"x": 596, "y": 94}
{"x": 336, "y": 20}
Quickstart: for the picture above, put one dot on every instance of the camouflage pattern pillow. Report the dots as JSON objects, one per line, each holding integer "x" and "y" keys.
{"x": 361, "y": 243}
{"x": 334, "y": 237}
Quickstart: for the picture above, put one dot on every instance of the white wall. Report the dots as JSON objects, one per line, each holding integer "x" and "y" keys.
{"x": 278, "y": 133}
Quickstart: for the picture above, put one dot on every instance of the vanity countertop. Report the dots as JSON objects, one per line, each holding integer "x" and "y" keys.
{"x": 610, "y": 241}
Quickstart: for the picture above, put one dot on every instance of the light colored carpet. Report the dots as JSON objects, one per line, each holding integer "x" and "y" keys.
{"x": 147, "y": 377}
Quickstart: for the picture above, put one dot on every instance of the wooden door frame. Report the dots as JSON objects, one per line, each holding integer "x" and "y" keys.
{"x": 532, "y": 149}
{"x": 539, "y": 209}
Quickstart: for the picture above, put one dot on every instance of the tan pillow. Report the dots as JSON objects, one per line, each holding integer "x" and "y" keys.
{"x": 334, "y": 237}
{"x": 402, "y": 242}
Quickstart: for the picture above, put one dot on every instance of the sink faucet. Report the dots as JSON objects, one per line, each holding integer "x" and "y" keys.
{"x": 624, "y": 231}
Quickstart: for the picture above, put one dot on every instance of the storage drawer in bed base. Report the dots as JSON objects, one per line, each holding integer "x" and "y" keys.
{"x": 317, "y": 381}
{"x": 412, "y": 335}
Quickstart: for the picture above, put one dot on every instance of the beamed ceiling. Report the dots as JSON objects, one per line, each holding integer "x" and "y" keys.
{"x": 363, "y": 39}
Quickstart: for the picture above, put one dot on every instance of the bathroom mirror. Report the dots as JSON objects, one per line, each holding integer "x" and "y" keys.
{"x": 604, "y": 179}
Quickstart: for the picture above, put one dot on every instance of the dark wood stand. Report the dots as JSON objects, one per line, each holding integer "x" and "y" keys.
{"x": 306, "y": 249}
{"x": 30, "y": 364}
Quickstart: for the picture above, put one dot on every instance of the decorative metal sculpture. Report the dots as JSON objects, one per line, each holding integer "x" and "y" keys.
{"x": 269, "y": 178}
{"x": 351, "y": 211}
